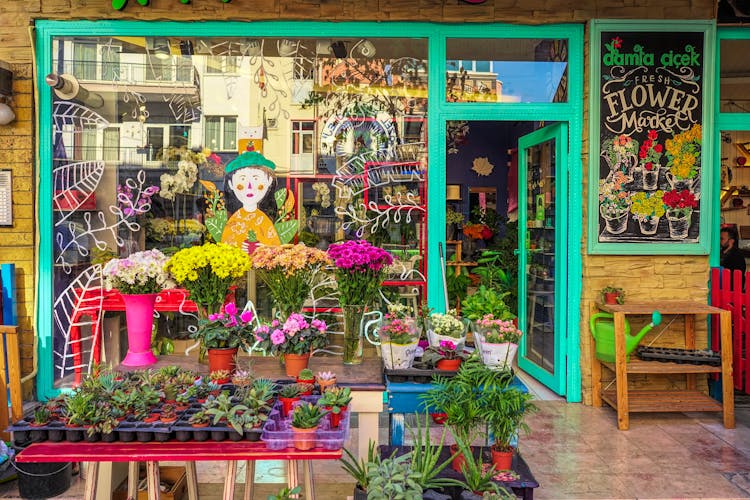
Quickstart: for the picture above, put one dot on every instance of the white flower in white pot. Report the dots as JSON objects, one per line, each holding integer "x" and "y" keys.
{"x": 446, "y": 327}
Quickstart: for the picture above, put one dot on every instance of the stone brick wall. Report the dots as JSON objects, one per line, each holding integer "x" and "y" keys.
{"x": 673, "y": 277}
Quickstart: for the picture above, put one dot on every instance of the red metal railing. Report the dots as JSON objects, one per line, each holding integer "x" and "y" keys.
{"x": 737, "y": 300}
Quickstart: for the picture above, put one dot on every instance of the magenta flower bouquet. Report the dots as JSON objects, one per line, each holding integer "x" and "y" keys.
{"x": 228, "y": 329}
{"x": 295, "y": 335}
{"x": 359, "y": 270}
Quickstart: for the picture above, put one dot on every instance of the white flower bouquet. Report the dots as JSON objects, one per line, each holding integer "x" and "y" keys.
{"x": 446, "y": 326}
{"x": 139, "y": 273}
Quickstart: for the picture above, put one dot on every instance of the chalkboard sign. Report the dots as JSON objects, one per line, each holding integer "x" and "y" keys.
{"x": 648, "y": 158}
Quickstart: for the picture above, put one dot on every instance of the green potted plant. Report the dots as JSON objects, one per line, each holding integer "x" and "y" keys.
{"x": 477, "y": 478}
{"x": 399, "y": 337}
{"x": 305, "y": 420}
{"x": 306, "y": 376}
{"x": 357, "y": 469}
{"x": 486, "y": 301}
{"x": 425, "y": 460}
{"x": 504, "y": 412}
{"x": 613, "y": 295}
{"x": 288, "y": 395}
{"x": 286, "y": 493}
{"x": 335, "y": 401}
{"x": 393, "y": 478}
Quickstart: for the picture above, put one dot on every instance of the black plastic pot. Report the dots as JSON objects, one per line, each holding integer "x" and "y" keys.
{"x": 359, "y": 493}
{"x": 74, "y": 435}
{"x": 253, "y": 435}
{"x": 109, "y": 437}
{"x": 38, "y": 435}
{"x": 126, "y": 432}
{"x": 92, "y": 437}
{"x": 234, "y": 435}
{"x": 200, "y": 435}
{"x": 218, "y": 435}
{"x": 183, "y": 435}
{"x": 435, "y": 495}
{"x": 43, "y": 480}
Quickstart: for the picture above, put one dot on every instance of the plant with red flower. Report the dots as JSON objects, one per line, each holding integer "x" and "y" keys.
{"x": 478, "y": 231}
{"x": 679, "y": 203}
{"x": 650, "y": 151}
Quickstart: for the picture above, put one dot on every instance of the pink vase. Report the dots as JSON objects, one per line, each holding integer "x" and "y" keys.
{"x": 139, "y": 312}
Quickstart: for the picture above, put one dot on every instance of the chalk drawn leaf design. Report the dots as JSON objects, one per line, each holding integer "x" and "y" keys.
{"x": 75, "y": 116}
{"x": 74, "y": 184}
{"x": 78, "y": 306}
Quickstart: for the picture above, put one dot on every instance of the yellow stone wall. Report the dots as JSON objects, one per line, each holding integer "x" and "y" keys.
{"x": 663, "y": 277}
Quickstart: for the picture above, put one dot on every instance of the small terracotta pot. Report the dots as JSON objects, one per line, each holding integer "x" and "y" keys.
{"x": 286, "y": 405}
{"x": 503, "y": 460}
{"x": 295, "y": 363}
{"x": 221, "y": 359}
{"x": 304, "y": 439}
{"x": 458, "y": 460}
{"x": 449, "y": 364}
{"x": 611, "y": 297}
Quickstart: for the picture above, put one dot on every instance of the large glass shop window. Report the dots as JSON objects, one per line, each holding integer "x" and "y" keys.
{"x": 144, "y": 128}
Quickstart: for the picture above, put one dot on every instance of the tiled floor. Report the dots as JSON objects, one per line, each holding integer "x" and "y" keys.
{"x": 576, "y": 452}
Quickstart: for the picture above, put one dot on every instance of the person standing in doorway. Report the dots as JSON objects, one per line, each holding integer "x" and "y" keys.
{"x": 731, "y": 256}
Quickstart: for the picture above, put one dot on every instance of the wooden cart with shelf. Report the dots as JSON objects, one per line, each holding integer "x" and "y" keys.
{"x": 626, "y": 400}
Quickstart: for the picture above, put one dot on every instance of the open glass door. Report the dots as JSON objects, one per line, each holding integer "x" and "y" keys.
{"x": 542, "y": 157}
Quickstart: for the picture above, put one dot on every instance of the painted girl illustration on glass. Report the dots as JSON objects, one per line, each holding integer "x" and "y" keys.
{"x": 248, "y": 180}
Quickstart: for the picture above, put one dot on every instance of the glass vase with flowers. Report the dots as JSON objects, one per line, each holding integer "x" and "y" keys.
{"x": 359, "y": 270}
{"x": 294, "y": 338}
{"x": 139, "y": 278}
{"x": 207, "y": 272}
{"x": 289, "y": 272}
{"x": 399, "y": 337}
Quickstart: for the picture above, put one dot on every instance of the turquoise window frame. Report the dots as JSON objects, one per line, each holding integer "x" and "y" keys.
{"x": 724, "y": 121}
{"x": 438, "y": 112}
{"x": 707, "y": 215}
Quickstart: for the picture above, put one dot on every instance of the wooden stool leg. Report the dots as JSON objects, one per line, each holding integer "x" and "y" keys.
{"x": 132, "y": 480}
{"x": 309, "y": 487}
{"x": 229, "y": 480}
{"x": 192, "y": 480}
{"x": 153, "y": 480}
{"x": 92, "y": 479}
{"x": 249, "y": 479}
{"x": 291, "y": 474}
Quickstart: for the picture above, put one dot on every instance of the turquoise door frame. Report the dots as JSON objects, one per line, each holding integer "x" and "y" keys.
{"x": 559, "y": 134}
{"x": 724, "y": 122}
{"x": 438, "y": 112}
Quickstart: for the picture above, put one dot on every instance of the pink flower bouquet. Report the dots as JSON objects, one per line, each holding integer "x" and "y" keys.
{"x": 359, "y": 270}
{"x": 295, "y": 335}
{"x": 227, "y": 329}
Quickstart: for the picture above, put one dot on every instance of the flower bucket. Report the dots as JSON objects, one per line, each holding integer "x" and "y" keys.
{"x": 651, "y": 179}
{"x": 398, "y": 356}
{"x": 435, "y": 339}
{"x": 353, "y": 337}
{"x": 496, "y": 355}
{"x": 679, "y": 226}
{"x": 139, "y": 314}
{"x": 649, "y": 226}
{"x": 616, "y": 225}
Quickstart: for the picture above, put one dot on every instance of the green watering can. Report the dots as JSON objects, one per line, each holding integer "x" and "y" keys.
{"x": 603, "y": 330}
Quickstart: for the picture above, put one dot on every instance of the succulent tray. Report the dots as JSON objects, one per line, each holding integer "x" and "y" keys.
{"x": 278, "y": 434}
{"x": 185, "y": 431}
{"x": 420, "y": 373}
{"x": 673, "y": 355}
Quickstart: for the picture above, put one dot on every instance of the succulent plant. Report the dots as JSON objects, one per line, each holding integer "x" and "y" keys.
{"x": 199, "y": 417}
{"x": 307, "y": 416}
{"x": 337, "y": 398}
{"x": 242, "y": 378}
{"x": 41, "y": 415}
{"x": 326, "y": 376}
{"x": 306, "y": 374}
{"x": 291, "y": 391}
{"x": 220, "y": 375}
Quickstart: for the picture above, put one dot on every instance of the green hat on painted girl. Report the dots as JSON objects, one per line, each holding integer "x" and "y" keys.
{"x": 249, "y": 158}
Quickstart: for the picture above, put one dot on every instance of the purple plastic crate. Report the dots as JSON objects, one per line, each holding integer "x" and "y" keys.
{"x": 278, "y": 434}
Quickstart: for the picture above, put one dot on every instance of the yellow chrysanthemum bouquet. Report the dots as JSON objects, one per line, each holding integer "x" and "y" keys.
{"x": 289, "y": 271}
{"x": 207, "y": 272}
{"x": 683, "y": 153}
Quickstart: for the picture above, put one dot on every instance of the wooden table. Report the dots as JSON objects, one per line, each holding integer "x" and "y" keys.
{"x": 690, "y": 399}
{"x": 188, "y": 451}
